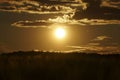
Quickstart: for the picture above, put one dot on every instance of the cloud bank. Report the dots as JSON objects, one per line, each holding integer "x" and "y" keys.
{"x": 41, "y": 6}
{"x": 90, "y": 9}
{"x": 67, "y": 20}
{"x": 33, "y": 7}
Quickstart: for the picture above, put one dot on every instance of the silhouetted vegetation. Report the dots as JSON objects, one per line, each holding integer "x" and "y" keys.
{"x": 59, "y": 66}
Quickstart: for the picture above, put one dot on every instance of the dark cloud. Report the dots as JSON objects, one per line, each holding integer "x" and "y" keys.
{"x": 96, "y": 11}
{"x": 61, "y": 2}
{"x": 93, "y": 15}
{"x": 91, "y": 9}
{"x": 34, "y": 7}
{"x": 115, "y": 0}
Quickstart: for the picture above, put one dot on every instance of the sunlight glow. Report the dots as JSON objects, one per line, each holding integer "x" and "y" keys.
{"x": 60, "y": 33}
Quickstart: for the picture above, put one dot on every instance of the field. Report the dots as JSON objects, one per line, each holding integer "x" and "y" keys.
{"x": 59, "y": 66}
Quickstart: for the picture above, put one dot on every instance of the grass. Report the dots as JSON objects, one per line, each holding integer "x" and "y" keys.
{"x": 59, "y": 66}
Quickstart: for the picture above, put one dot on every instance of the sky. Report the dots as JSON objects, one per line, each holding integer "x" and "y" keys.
{"x": 90, "y": 25}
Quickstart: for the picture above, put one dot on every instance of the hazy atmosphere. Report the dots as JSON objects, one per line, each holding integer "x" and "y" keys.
{"x": 60, "y": 25}
{"x": 59, "y": 39}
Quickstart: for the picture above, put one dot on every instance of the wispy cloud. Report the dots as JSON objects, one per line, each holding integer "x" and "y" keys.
{"x": 102, "y": 41}
{"x": 100, "y": 44}
{"x": 4, "y": 48}
{"x": 65, "y": 19}
{"x": 101, "y": 38}
{"x": 111, "y": 3}
{"x": 31, "y": 24}
{"x": 98, "y": 21}
{"x": 97, "y": 49}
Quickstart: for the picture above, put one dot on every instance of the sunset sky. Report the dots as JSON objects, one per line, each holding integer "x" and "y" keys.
{"x": 60, "y": 25}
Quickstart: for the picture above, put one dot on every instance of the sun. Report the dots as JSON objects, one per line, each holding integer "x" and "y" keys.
{"x": 60, "y": 33}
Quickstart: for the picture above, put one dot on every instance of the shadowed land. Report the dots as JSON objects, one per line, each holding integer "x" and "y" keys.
{"x": 58, "y": 66}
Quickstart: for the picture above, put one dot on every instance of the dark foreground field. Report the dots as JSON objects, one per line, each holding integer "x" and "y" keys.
{"x": 57, "y": 66}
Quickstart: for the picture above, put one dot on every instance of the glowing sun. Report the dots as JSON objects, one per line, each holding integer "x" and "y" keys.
{"x": 60, "y": 33}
